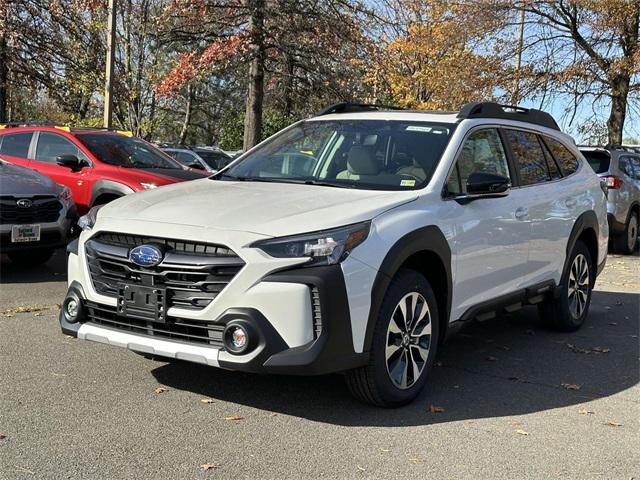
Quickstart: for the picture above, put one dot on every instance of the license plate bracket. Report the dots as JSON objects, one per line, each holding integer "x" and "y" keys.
{"x": 25, "y": 233}
{"x": 143, "y": 303}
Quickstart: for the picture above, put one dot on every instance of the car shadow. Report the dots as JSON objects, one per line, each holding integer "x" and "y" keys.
{"x": 503, "y": 367}
{"x": 54, "y": 270}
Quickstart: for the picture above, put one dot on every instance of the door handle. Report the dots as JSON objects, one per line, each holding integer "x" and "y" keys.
{"x": 522, "y": 213}
{"x": 570, "y": 202}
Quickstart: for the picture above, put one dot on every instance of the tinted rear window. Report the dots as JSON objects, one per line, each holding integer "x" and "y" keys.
{"x": 599, "y": 161}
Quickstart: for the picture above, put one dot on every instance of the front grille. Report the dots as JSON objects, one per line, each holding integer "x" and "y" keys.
{"x": 43, "y": 209}
{"x": 174, "y": 328}
{"x": 193, "y": 274}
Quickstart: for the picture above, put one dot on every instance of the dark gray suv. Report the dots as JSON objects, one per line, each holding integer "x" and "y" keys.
{"x": 36, "y": 215}
{"x": 619, "y": 167}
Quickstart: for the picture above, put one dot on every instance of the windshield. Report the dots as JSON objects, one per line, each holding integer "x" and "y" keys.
{"x": 127, "y": 152}
{"x": 369, "y": 154}
{"x": 215, "y": 160}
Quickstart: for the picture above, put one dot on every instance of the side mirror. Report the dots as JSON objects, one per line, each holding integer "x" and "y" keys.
{"x": 488, "y": 184}
{"x": 70, "y": 161}
{"x": 196, "y": 165}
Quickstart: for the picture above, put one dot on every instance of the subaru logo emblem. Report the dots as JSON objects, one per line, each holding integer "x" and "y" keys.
{"x": 24, "y": 203}
{"x": 146, "y": 255}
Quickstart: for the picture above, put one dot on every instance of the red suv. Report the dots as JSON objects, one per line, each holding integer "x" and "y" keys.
{"x": 98, "y": 165}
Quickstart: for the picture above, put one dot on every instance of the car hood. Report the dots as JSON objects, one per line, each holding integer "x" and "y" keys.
{"x": 16, "y": 181}
{"x": 271, "y": 209}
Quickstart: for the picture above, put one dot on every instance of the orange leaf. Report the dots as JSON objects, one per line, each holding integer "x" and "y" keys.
{"x": 434, "y": 409}
{"x": 234, "y": 418}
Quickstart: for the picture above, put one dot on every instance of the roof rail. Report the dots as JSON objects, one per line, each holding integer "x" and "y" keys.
{"x": 27, "y": 124}
{"x": 507, "y": 112}
{"x": 349, "y": 107}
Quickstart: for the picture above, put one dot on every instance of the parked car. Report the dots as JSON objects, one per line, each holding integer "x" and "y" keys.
{"x": 354, "y": 242}
{"x": 36, "y": 215}
{"x": 619, "y": 167}
{"x": 207, "y": 159}
{"x": 97, "y": 165}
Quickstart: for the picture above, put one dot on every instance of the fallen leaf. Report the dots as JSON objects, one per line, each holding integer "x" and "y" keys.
{"x": 160, "y": 389}
{"x": 2, "y": 436}
{"x": 209, "y": 466}
{"x": 571, "y": 386}
{"x": 385, "y": 450}
{"x": 613, "y": 423}
{"x": 360, "y": 468}
{"x": 207, "y": 400}
{"x": 584, "y": 411}
{"x": 434, "y": 409}
{"x": 234, "y": 418}
{"x": 600, "y": 349}
{"x": 469, "y": 422}
{"x": 522, "y": 432}
{"x": 491, "y": 359}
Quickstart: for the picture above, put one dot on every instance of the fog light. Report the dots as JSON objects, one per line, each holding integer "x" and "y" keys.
{"x": 72, "y": 308}
{"x": 239, "y": 338}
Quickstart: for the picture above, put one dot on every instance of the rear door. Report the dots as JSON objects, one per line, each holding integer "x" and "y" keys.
{"x": 555, "y": 199}
{"x": 14, "y": 147}
{"x": 51, "y": 145}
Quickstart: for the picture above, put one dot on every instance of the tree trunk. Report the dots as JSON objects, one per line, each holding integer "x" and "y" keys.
{"x": 255, "y": 91}
{"x": 187, "y": 115}
{"x": 4, "y": 69}
{"x": 619, "y": 94}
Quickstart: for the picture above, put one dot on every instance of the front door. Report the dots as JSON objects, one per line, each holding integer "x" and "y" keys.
{"x": 491, "y": 234}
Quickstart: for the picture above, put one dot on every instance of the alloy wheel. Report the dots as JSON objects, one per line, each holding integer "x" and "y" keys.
{"x": 408, "y": 340}
{"x": 578, "y": 291}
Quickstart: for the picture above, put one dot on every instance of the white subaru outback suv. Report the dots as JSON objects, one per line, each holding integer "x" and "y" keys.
{"x": 354, "y": 241}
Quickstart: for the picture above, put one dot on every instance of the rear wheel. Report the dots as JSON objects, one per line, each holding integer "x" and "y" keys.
{"x": 404, "y": 344}
{"x": 627, "y": 242}
{"x": 31, "y": 258}
{"x": 567, "y": 311}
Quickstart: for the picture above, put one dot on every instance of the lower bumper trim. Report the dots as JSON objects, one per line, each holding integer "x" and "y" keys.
{"x": 153, "y": 346}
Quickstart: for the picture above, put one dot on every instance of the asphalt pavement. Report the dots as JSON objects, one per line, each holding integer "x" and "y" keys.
{"x": 507, "y": 399}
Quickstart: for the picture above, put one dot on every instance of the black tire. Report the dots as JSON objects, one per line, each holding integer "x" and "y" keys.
{"x": 373, "y": 383}
{"x": 31, "y": 258}
{"x": 627, "y": 242}
{"x": 561, "y": 312}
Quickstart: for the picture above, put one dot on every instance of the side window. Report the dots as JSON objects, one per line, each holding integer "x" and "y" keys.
{"x": 185, "y": 158}
{"x": 529, "y": 157}
{"x": 16, "y": 144}
{"x": 551, "y": 163}
{"x": 635, "y": 161}
{"x": 51, "y": 145}
{"x": 567, "y": 160}
{"x": 626, "y": 165}
{"x": 482, "y": 151}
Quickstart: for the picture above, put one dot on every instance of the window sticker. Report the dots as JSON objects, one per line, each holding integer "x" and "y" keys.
{"x": 407, "y": 183}
{"x": 418, "y": 128}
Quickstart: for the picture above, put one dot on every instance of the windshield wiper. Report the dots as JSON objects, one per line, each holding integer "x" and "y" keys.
{"x": 329, "y": 184}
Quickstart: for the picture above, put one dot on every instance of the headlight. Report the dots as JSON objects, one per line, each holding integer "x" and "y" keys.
{"x": 327, "y": 247}
{"x": 65, "y": 194}
{"x": 148, "y": 186}
{"x": 86, "y": 222}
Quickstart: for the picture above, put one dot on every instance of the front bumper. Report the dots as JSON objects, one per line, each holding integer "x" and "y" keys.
{"x": 330, "y": 349}
{"x": 52, "y": 234}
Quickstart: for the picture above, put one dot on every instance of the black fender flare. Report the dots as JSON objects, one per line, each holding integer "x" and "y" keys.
{"x": 427, "y": 239}
{"x": 109, "y": 187}
{"x": 587, "y": 220}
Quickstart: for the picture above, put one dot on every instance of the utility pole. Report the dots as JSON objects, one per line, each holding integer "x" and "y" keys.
{"x": 108, "y": 81}
{"x": 515, "y": 98}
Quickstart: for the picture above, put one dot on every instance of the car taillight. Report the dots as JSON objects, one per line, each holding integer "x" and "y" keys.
{"x": 613, "y": 182}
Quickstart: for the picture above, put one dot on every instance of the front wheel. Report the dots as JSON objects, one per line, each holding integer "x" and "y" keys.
{"x": 568, "y": 311}
{"x": 404, "y": 344}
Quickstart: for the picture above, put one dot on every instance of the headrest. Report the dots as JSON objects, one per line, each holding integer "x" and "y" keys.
{"x": 361, "y": 161}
